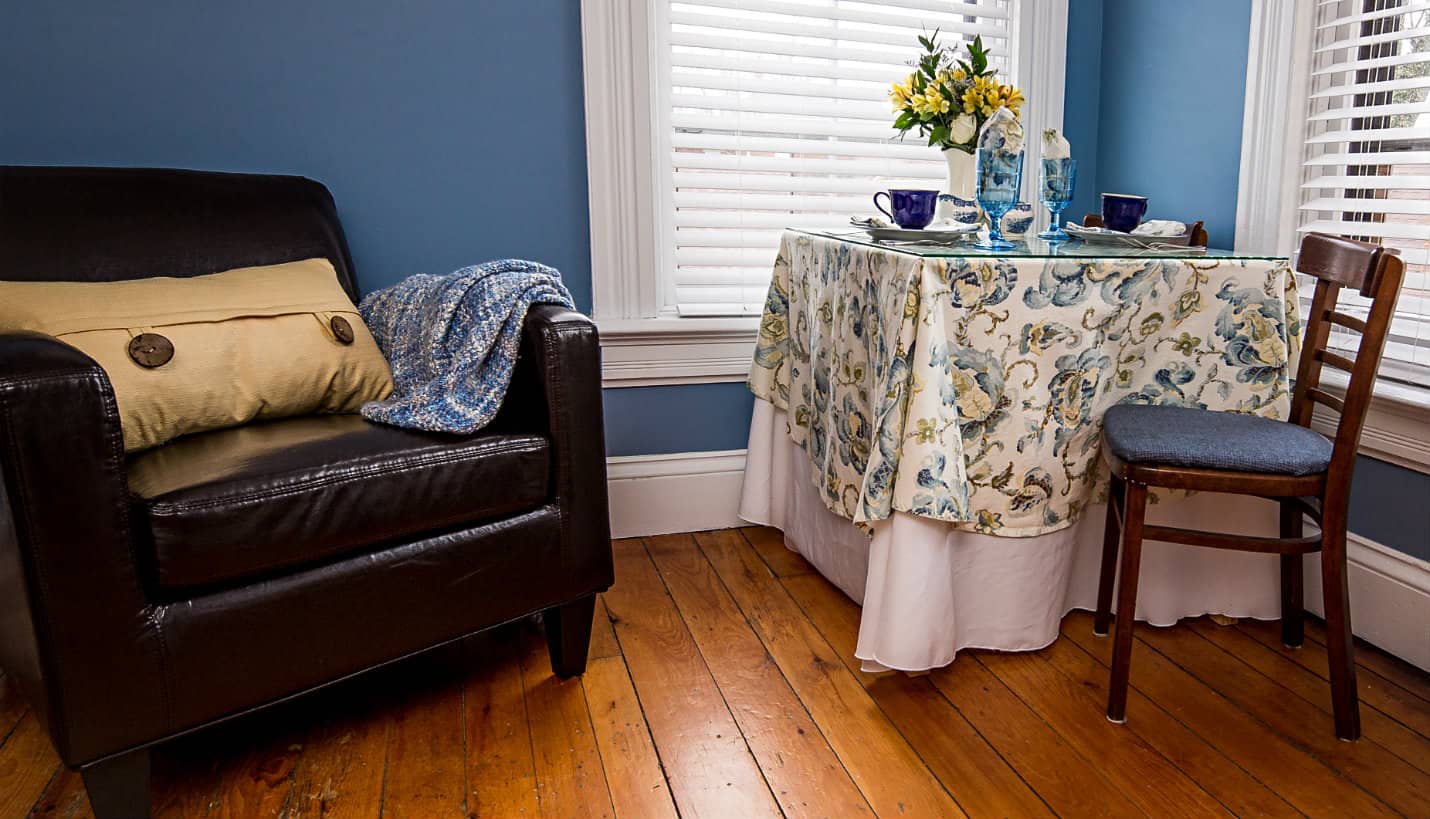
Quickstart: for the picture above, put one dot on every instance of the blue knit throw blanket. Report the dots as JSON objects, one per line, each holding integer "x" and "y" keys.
{"x": 451, "y": 341}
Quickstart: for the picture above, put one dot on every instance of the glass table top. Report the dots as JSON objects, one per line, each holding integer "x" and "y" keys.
{"x": 1029, "y": 248}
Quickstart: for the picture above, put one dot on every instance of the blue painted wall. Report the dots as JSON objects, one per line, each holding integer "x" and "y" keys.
{"x": 1169, "y": 120}
{"x": 449, "y": 131}
{"x": 1082, "y": 101}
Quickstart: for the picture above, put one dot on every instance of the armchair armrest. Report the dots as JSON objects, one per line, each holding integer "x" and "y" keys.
{"x": 556, "y": 389}
{"x": 76, "y": 631}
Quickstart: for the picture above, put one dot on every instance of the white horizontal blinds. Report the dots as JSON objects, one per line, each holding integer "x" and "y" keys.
{"x": 1366, "y": 171}
{"x": 779, "y": 117}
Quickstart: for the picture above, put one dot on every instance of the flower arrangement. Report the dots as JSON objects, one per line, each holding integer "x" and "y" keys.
{"x": 948, "y": 99}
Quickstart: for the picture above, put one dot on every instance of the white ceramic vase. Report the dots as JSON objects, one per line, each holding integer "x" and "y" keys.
{"x": 958, "y": 191}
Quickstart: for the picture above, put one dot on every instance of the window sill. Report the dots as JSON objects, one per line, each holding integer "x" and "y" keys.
{"x": 1397, "y": 426}
{"x": 662, "y": 351}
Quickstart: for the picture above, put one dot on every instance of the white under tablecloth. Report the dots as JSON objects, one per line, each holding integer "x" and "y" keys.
{"x": 929, "y": 590}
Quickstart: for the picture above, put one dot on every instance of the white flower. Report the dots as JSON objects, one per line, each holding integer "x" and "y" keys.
{"x": 961, "y": 130}
{"x": 1055, "y": 145}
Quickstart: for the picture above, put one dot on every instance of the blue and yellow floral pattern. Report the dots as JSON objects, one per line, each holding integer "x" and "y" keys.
{"x": 971, "y": 390}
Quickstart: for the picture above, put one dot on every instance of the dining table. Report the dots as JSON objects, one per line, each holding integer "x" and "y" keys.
{"x": 926, "y": 429}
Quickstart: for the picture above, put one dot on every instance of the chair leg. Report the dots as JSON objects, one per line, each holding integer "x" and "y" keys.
{"x": 1292, "y": 581}
{"x": 1133, "y": 514}
{"x": 568, "y": 635}
{"x": 1339, "y": 647}
{"x": 118, "y": 787}
{"x": 1102, "y": 618}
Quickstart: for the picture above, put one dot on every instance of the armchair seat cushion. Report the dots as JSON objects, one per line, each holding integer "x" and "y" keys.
{"x": 239, "y": 504}
{"x": 1203, "y": 439}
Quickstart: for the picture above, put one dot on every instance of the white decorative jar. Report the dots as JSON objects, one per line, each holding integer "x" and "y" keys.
{"x": 957, "y": 202}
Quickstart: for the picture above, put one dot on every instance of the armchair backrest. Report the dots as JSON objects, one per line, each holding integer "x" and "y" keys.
{"x": 110, "y": 224}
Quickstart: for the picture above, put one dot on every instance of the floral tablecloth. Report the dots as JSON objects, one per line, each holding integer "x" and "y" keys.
{"x": 971, "y": 389}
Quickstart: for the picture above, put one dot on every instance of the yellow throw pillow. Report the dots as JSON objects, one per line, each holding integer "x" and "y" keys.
{"x": 208, "y": 352}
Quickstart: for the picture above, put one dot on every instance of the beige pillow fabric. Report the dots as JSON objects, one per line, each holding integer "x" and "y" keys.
{"x": 208, "y": 352}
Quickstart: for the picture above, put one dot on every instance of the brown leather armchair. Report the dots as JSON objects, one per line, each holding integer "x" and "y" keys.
{"x": 148, "y": 596}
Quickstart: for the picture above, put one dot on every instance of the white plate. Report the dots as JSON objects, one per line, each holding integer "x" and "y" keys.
{"x": 1095, "y": 236}
{"x": 932, "y": 233}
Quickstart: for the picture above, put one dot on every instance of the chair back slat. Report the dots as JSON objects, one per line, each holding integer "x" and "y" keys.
{"x": 1376, "y": 272}
{"x": 1320, "y": 396}
{"x": 1338, "y": 361}
{"x": 1348, "y": 322}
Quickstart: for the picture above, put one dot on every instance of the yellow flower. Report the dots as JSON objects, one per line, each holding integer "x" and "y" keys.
{"x": 1013, "y": 98}
{"x": 901, "y": 92}
{"x": 972, "y": 99}
{"x": 930, "y": 103}
{"x": 959, "y": 75}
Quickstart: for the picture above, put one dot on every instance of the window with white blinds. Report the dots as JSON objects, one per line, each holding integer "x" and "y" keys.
{"x": 1366, "y": 159}
{"x": 779, "y": 116}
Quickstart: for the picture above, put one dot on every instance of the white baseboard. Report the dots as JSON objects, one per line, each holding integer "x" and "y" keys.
{"x": 1390, "y": 598}
{"x": 696, "y": 491}
{"x": 684, "y": 492}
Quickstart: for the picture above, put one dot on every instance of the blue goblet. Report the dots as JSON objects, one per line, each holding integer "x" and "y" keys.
{"x": 1055, "y": 191}
{"x": 999, "y": 174}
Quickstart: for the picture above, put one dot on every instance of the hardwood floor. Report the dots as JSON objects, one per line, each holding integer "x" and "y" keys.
{"x": 722, "y": 683}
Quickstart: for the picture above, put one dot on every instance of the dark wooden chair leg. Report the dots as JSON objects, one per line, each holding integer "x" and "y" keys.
{"x": 1102, "y": 618}
{"x": 118, "y": 787}
{"x": 1293, "y": 613}
{"x": 568, "y": 635}
{"x": 1339, "y": 647}
{"x": 1133, "y": 513}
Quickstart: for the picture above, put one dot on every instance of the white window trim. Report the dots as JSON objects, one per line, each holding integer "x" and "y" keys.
{"x": 1397, "y": 427}
{"x": 624, "y": 159}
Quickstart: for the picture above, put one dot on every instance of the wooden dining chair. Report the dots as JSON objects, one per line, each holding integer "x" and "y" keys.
{"x": 1187, "y": 448}
{"x": 1197, "y": 229}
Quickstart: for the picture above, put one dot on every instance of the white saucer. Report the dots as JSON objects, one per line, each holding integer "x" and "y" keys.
{"x": 932, "y": 233}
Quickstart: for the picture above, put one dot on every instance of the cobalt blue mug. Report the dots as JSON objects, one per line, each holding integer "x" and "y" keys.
{"x": 1123, "y": 212}
{"x": 912, "y": 209}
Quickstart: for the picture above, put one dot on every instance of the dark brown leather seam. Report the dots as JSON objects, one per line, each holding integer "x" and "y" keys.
{"x": 347, "y": 476}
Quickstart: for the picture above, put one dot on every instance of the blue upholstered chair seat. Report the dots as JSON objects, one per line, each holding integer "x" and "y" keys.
{"x": 1203, "y": 439}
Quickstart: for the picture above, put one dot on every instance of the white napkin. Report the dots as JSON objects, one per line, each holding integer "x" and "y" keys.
{"x": 1160, "y": 227}
{"x": 1055, "y": 145}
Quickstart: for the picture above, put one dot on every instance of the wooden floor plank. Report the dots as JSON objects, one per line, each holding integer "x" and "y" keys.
{"x": 1303, "y": 781}
{"x": 1375, "y": 726}
{"x": 770, "y": 544}
{"x": 501, "y": 771}
{"x": 1391, "y": 668}
{"x": 1238, "y": 790}
{"x": 1367, "y": 763}
{"x": 803, "y": 771}
{"x": 27, "y": 764}
{"x": 603, "y": 638}
{"x": 707, "y": 763}
{"x": 426, "y": 755}
{"x": 633, "y": 775}
{"x": 979, "y": 779}
{"x": 340, "y": 774}
{"x": 64, "y": 798}
{"x": 1144, "y": 776}
{"x": 886, "y": 769}
{"x": 259, "y": 781}
{"x": 1071, "y": 785}
{"x": 570, "y": 782}
{"x": 187, "y": 774}
{"x": 1375, "y": 690}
